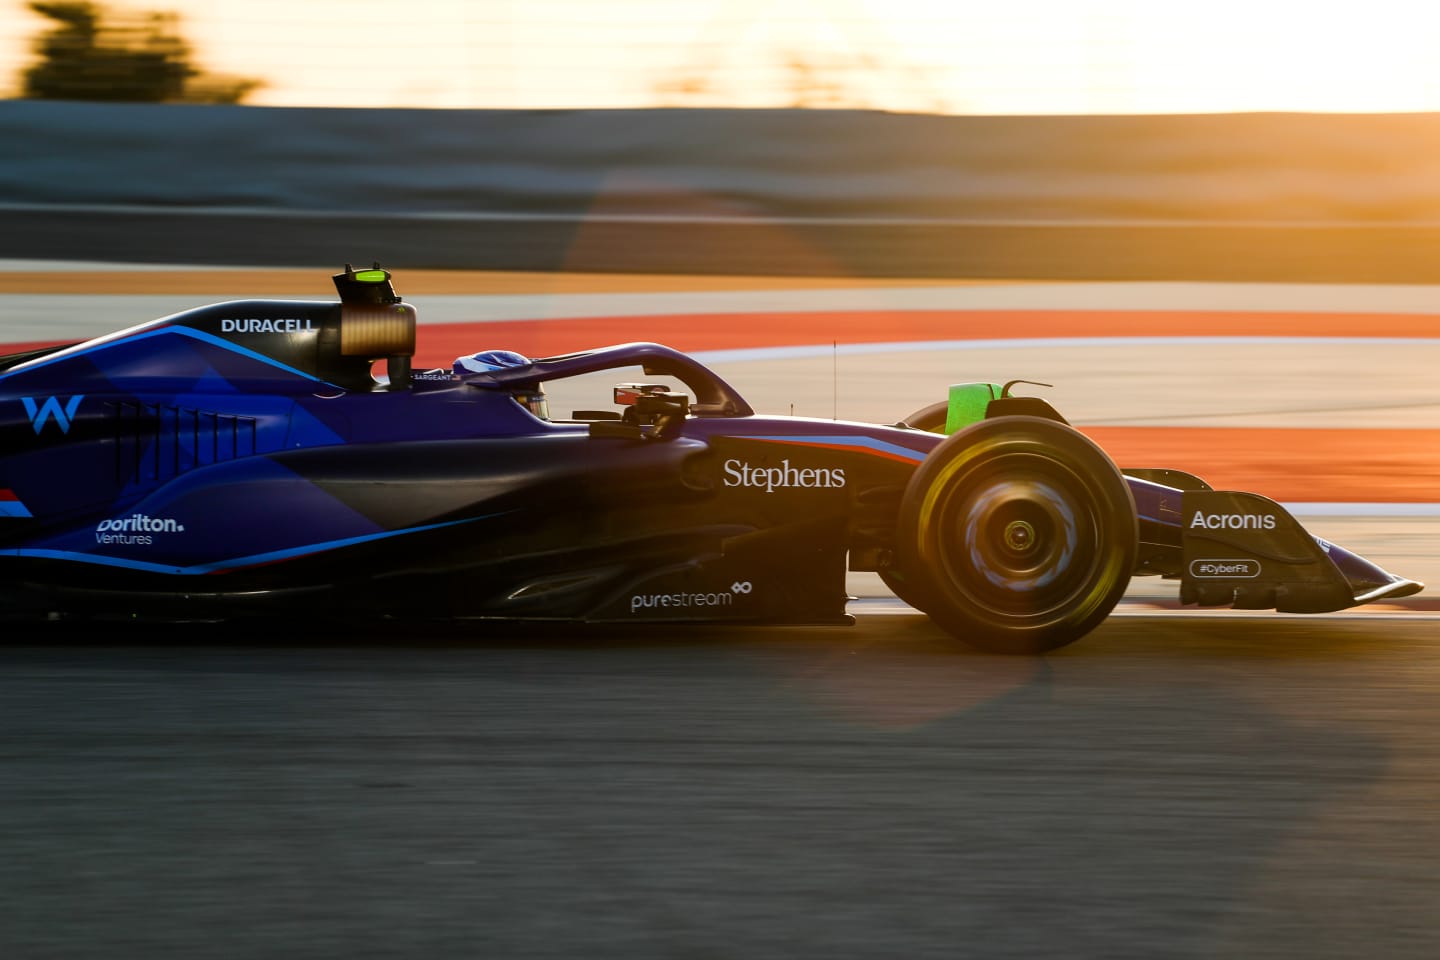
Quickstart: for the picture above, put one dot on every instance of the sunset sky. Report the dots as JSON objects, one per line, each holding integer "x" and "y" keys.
{"x": 948, "y": 56}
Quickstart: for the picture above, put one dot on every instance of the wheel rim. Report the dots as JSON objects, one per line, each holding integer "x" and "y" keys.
{"x": 1020, "y": 532}
{"x": 1013, "y": 541}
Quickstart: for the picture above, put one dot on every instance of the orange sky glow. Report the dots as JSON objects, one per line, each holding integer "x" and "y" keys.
{"x": 1019, "y": 57}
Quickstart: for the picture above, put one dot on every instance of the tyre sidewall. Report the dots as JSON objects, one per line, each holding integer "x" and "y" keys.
{"x": 1049, "y": 456}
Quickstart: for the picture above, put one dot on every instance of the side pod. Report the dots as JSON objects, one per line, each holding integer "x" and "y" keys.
{"x": 1246, "y": 551}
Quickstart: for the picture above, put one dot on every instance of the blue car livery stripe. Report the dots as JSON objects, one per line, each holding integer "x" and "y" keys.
{"x": 236, "y": 563}
{"x": 200, "y": 335}
{"x": 10, "y": 505}
{"x": 878, "y": 448}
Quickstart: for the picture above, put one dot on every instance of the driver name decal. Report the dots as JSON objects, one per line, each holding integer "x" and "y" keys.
{"x": 741, "y": 474}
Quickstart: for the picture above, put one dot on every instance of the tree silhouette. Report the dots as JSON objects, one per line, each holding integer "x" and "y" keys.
{"x": 91, "y": 55}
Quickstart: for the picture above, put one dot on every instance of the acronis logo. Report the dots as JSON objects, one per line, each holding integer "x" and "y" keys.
{"x": 42, "y": 413}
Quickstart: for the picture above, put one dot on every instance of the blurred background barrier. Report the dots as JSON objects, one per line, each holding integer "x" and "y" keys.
{"x": 1300, "y": 197}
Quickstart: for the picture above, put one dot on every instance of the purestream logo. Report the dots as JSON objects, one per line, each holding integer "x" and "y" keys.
{"x": 138, "y": 529}
{"x": 741, "y": 474}
{"x": 685, "y": 600}
{"x": 1232, "y": 521}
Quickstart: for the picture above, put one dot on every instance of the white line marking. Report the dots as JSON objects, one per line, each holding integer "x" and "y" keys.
{"x": 1363, "y": 509}
{"x": 890, "y": 607}
{"x": 808, "y": 351}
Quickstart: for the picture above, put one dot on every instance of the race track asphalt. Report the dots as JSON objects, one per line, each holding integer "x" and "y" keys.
{"x": 1180, "y": 788}
{"x": 1177, "y": 784}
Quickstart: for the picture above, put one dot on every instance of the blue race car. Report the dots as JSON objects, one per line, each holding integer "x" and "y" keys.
{"x": 243, "y": 458}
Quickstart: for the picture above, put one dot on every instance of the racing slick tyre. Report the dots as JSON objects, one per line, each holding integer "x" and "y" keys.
{"x": 1017, "y": 535}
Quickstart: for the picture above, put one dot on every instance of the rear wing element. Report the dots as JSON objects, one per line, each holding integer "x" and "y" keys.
{"x": 1246, "y": 551}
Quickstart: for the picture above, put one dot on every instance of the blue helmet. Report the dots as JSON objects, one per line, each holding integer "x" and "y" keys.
{"x": 488, "y": 360}
{"x": 531, "y": 398}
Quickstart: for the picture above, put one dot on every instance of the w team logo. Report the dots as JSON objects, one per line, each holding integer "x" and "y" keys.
{"x": 42, "y": 413}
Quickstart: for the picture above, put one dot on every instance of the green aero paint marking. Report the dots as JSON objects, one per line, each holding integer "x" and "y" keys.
{"x": 370, "y": 276}
{"x": 967, "y": 404}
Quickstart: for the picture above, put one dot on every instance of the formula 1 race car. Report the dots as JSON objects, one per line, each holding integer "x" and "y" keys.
{"x": 243, "y": 458}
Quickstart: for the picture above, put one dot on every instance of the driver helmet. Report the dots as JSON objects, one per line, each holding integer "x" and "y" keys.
{"x": 532, "y": 398}
{"x": 488, "y": 360}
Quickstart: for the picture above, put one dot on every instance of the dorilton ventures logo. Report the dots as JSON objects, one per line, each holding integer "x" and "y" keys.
{"x": 41, "y": 413}
{"x": 741, "y": 474}
{"x": 1232, "y": 521}
{"x": 138, "y": 529}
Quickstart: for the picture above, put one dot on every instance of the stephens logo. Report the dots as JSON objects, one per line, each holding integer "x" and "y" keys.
{"x": 740, "y": 474}
{"x": 1232, "y": 521}
{"x": 138, "y": 529}
{"x": 1224, "y": 569}
{"x": 257, "y": 325}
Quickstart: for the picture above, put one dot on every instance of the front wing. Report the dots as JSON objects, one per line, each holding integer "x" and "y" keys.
{"x": 1244, "y": 550}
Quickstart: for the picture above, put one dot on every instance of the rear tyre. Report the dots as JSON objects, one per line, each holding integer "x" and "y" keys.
{"x": 1017, "y": 535}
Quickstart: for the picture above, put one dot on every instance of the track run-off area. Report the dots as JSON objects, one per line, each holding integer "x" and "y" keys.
{"x": 1305, "y": 393}
{"x": 1180, "y": 783}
